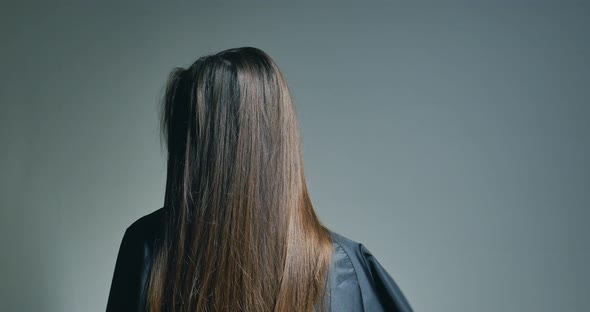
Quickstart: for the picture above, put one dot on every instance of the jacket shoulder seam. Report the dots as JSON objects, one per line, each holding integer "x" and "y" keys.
{"x": 353, "y": 268}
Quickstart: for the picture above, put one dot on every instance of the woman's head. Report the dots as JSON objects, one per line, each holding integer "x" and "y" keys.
{"x": 241, "y": 233}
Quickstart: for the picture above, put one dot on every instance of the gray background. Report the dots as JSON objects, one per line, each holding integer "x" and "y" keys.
{"x": 452, "y": 139}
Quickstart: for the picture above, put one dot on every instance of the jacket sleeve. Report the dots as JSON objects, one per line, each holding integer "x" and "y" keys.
{"x": 125, "y": 285}
{"x": 380, "y": 292}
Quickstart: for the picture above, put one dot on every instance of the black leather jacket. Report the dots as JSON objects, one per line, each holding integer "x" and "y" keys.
{"x": 358, "y": 282}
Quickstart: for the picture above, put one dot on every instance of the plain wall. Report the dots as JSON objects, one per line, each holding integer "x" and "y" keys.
{"x": 451, "y": 138}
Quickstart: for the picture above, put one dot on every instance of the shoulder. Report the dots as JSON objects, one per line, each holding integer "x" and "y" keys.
{"x": 148, "y": 220}
{"x": 133, "y": 263}
{"x": 377, "y": 289}
{"x": 356, "y": 251}
{"x": 348, "y": 245}
{"x": 140, "y": 236}
{"x": 147, "y": 226}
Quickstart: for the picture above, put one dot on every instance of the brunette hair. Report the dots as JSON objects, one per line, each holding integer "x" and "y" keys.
{"x": 241, "y": 233}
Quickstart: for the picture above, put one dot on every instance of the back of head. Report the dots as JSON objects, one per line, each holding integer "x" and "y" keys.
{"x": 241, "y": 233}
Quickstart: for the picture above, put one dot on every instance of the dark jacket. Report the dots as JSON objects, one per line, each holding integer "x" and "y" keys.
{"x": 358, "y": 282}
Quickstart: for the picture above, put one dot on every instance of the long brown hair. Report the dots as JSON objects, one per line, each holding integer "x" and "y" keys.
{"x": 241, "y": 233}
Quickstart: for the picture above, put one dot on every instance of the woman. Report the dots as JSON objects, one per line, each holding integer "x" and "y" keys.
{"x": 238, "y": 231}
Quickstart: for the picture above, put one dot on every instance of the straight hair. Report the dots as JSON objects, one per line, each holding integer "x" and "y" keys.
{"x": 240, "y": 232}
